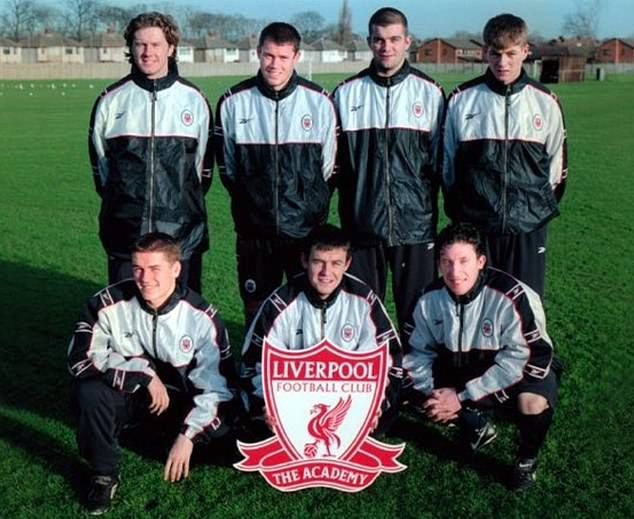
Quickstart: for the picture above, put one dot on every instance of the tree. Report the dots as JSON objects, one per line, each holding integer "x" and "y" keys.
{"x": 310, "y": 24}
{"x": 584, "y": 21}
{"x": 81, "y": 17}
{"x": 344, "y": 25}
{"x": 114, "y": 17}
{"x": 17, "y": 17}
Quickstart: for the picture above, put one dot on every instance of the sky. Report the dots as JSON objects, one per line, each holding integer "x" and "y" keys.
{"x": 429, "y": 18}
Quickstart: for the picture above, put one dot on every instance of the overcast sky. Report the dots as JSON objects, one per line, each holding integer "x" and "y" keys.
{"x": 433, "y": 17}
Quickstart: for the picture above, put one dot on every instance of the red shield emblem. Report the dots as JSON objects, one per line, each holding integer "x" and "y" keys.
{"x": 417, "y": 108}
{"x": 324, "y": 402}
{"x": 538, "y": 122}
{"x": 307, "y": 122}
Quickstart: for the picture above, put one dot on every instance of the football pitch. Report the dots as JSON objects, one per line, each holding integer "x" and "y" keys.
{"x": 51, "y": 261}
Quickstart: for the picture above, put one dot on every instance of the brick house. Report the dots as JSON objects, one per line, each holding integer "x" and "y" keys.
{"x": 449, "y": 50}
{"x": 616, "y": 50}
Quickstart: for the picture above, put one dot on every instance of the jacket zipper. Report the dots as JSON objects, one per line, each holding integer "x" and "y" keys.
{"x": 505, "y": 180}
{"x": 323, "y": 322}
{"x": 390, "y": 216}
{"x": 277, "y": 166}
{"x": 460, "y": 330}
{"x": 152, "y": 138}
{"x": 155, "y": 316}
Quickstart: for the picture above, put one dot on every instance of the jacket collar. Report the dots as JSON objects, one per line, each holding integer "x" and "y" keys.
{"x": 392, "y": 80}
{"x": 474, "y": 292}
{"x": 178, "y": 294}
{"x": 155, "y": 84}
{"x": 277, "y": 95}
{"x": 313, "y": 296}
{"x": 500, "y": 88}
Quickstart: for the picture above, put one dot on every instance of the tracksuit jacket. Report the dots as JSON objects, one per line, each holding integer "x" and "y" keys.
{"x": 125, "y": 343}
{"x": 276, "y": 153}
{"x": 498, "y": 328}
{"x": 150, "y": 161}
{"x": 295, "y": 318}
{"x": 505, "y": 158}
{"x": 387, "y": 179}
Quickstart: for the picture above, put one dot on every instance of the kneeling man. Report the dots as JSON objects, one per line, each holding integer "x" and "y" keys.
{"x": 148, "y": 346}
{"x": 478, "y": 341}
{"x": 318, "y": 305}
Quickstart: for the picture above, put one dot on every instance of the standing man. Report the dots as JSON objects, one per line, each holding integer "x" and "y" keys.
{"x": 390, "y": 120}
{"x": 148, "y": 148}
{"x": 275, "y": 146}
{"x": 149, "y": 348}
{"x": 479, "y": 342}
{"x": 505, "y": 163}
{"x": 324, "y": 303}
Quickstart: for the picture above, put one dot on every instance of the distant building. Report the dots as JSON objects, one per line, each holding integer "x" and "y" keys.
{"x": 358, "y": 50}
{"x": 307, "y": 54}
{"x": 616, "y": 50}
{"x": 449, "y": 50}
{"x": 247, "y": 48}
{"x": 185, "y": 51}
{"x": 328, "y": 51}
{"x": 105, "y": 47}
{"x": 212, "y": 49}
{"x": 560, "y": 63}
{"x": 10, "y": 51}
{"x": 51, "y": 47}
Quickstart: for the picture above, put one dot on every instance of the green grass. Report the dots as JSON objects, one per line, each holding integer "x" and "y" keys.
{"x": 51, "y": 260}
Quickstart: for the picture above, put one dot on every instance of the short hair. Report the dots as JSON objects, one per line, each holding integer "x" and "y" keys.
{"x": 387, "y": 16}
{"x": 460, "y": 233}
{"x": 158, "y": 242}
{"x": 327, "y": 237}
{"x": 152, "y": 19}
{"x": 504, "y": 30}
{"x": 280, "y": 33}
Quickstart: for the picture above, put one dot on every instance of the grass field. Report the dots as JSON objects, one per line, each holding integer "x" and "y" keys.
{"x": 51, "y": 260}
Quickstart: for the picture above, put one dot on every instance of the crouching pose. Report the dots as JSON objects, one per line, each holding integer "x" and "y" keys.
{"x": 149, "y": 348}
{"x": 478, "y": 341}
{"x": 324, "y": 303}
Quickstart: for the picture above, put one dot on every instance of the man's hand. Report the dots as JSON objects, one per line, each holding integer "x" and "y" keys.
{"x": 177, "y": 464}
{"x": 160, "y": 400}
{"x": 442, "y": 405}
{"x": 269, "y": 420}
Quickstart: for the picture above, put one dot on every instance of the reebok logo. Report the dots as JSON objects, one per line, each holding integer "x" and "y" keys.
{"x": 437, "y": 322}
{"x": 471, "y": 116}
{"x": 541, "y": 250}
{"x": 355, "y": 108}
{"x": 245, "y": 120}
{"x": 128, "y": 335}
{"x": 119, "y": 115}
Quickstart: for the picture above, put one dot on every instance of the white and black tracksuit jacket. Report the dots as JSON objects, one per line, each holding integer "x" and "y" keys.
{"x": 295, "y": 318}
{"x": 151, "y": 162}
{"x": 387, "y": 178}
{"x": 505, "y": 158}
{"x": 276, "y": 153}
{"x": 122, "y": 341}
{"x": 499, "y": 327}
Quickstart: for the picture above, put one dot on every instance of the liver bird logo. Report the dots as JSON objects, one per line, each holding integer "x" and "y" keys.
{"x": 324, "y": 424}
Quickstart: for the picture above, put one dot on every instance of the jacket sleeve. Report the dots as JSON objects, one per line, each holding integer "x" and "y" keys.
{"x": 525, "y": 351}
{"x": 421, "y": 352}
{"x": 97, "y": 145}
{"x": 224, "y": 144}
{"x": 330, "y": 134}
{"x": 91, "y": 353}
{"x": 449, "y": 144}
{"x": 204, "y": 152}
{"x": 211, "y": 378}
{"x": 557, "y": 149}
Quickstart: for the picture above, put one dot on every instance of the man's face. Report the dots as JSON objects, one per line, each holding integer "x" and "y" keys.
{"x": 506, "y": 63}
{"x": 277, "y": 63}
{"x": 150, "y": 52}
{"x": 155, "y": 276}
{"x": 325, "y": 269}
{"x": 389, "y": 45}
{"x": 460, "y": 266}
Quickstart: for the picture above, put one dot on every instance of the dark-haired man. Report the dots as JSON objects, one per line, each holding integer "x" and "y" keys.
{"x": 148, "y": 149}
{"x": 275, "y": 145}
{"x": 144, "y": 347}
{"x": 505, "y": 158}
{"x": 390, "y": 123}
{"x": 478, "y": 341}
{"x": 324, "y": 303}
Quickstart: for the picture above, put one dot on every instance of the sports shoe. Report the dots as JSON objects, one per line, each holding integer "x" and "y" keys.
{"x": 476, "y": 429}
{"x": 100, "y": 494}
{"x": 524, "y": 474}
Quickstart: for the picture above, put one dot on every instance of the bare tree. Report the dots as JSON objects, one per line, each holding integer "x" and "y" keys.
{"x": 16, "y": 18}
{"x": 113, "y": 17}
{"x": 344, "y": 25}
{"x": 584, "y": 21}
{"x": 82, "y": 17}
{"x": 310, "y": 24}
